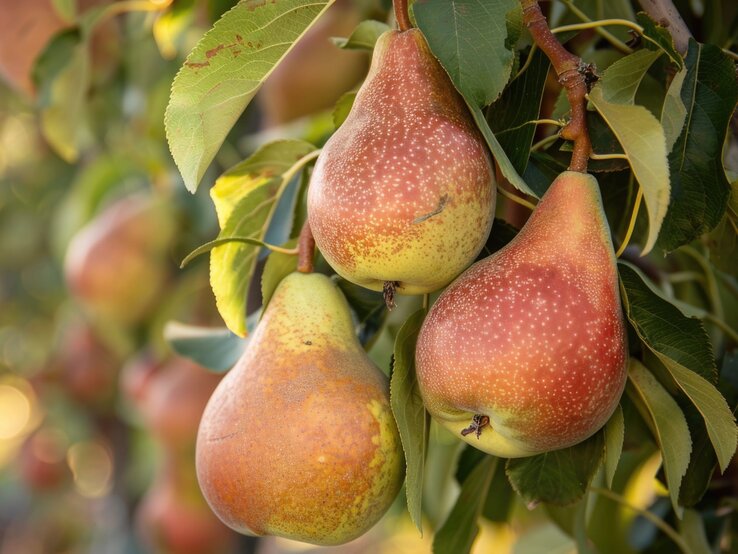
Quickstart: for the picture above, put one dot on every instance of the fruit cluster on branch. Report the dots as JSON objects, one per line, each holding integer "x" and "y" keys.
{"x": 524, "y": 352}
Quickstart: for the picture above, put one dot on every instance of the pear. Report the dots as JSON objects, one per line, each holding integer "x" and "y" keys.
{"x": 403, "y": 192}
{"x": 175, "y": 397}
{"x": 526, "y": 351}
{"x": 116, "y": 265}
{"x": 173, "y": 517}
{"x": 298, "y": 440}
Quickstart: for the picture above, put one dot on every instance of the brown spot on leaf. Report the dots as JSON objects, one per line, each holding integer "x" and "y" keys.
{"x": 213, "y": 51}
{"x": 197, "y": 65}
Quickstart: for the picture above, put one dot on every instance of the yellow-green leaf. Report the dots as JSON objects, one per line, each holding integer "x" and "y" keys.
{"x": 245, "y": 198}
{"x": 642, "y": 138}
{"x": 413, "y": 421}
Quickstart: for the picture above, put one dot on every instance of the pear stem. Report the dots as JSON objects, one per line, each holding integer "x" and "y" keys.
{"x": 402, "y": 15}
{"x": 571, "y": 72}
{"x": 305, "y": 249}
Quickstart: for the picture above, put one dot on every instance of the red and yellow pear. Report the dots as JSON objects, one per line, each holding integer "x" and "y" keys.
{"x": 526, "y": 351}
{"x": 298, "y": 440}
{"x": 403, "y": 192}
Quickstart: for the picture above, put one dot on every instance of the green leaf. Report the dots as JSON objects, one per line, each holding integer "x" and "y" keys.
{"x": 663, "y": 327}
{"x": 224, "y": 71}
{"x": 500, "y": 498}
{"x": 711, "y": 404}
{"x": 245, "y": 198}
{"x": 412, "y": 419}
{"x": 468, "y": 460}
{"x": 681, "y": 344}
{"x": 699, "y": 188}
{"x": 364, "y": 37}
{"x": 509, "y": 117}
{"x": 342, "y": 108}
{"x": 469, "y": 37}
{"x": 61, "y": 75}
{"x": 620, "y": 81}
{"x": 214, "y": 348}
{"x": 560, "y": 477}
{"x": 667, "y": 422}
{"x": 507, "y": 168}
{"x": 614, "y": 436}
{"x": 723, "y": 244}
{"x": 674, "y": 112}
{"x": 458, "y": 532}
{"x": 642, "y": 138}
{"x": 276, "y": 268}
{"x": 658, "y": 37}
{"x": 692, "y": 530}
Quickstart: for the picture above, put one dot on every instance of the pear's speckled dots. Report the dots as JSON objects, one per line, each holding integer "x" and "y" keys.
{"x": 532, "y": 336}
{"x": 404, "y": 190}
{"x": 299, "y": 440}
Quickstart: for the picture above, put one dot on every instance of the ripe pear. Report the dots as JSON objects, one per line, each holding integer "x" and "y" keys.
{"x": 403, "y": 192}
{"x": 298, "y": 440}
{"x": 173, "y": 517}
{"x": 174, "y": 400}
{"x": 116, "y": 265}
{"x": 526, "y": 351}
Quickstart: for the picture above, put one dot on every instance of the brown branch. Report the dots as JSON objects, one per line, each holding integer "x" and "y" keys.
{"x": 305, "y": 249}
{"x": 568, "y": 69}
{"x": 402, "y": 15}
{"x": 664, "y": 13}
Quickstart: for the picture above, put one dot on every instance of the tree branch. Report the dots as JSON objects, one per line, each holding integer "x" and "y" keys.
{"x": 664, "y": 13}
{"x": 568, "y": 69}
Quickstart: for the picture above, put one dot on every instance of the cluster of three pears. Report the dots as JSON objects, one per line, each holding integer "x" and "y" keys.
{"x": 299, "y": 440}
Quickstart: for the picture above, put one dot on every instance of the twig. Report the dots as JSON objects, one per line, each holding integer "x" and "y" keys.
{"x": 664, "y": 13}
{"x": 305, "y": 249}
{"x": 597, "y": 26}
{"x": 567, "y": 67}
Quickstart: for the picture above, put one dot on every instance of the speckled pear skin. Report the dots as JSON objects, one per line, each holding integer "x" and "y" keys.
{"x": 298, "y": 440}
{"x": 533, "y": 336}
{"x": 404, "y": 189}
